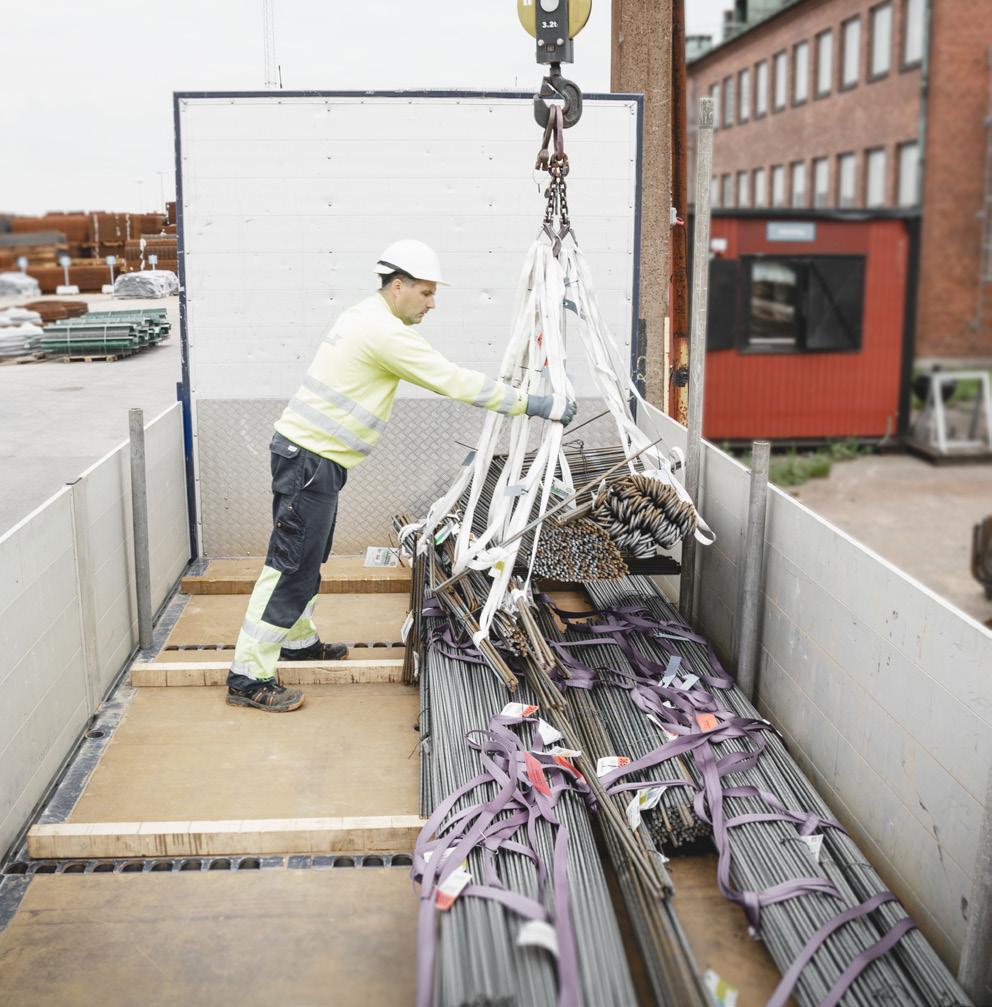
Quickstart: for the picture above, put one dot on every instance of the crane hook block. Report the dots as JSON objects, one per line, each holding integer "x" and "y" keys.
{"x": 554, "y": 23}
{"x": 557, "y": 86}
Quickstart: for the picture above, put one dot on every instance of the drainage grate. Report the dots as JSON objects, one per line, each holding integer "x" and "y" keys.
{"x": 149, "y": 866}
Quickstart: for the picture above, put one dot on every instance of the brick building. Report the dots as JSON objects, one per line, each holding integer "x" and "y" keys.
{"x": 853, "y": 107}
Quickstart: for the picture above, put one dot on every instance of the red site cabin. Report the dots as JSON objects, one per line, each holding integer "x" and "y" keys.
{"x": 810, "y": 323}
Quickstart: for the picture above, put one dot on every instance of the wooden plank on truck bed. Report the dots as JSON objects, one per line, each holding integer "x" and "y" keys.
{"x": 261, "y": 837}
{"x": 185, "y": 755}
{"x": 161, "y": 674}
{"x": 252, "y": 938}
{"x": 339, "y": 575}
{"x": 215, "y": 620}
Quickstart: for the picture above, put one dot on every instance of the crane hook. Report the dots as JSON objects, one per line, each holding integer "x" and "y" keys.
{"x": 556, "y": 86}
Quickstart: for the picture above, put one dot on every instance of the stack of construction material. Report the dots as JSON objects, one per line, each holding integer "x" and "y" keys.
{"x": 40, "y": 248}
{"x": 52, "y": 311}
{"x": 20, "y": 333}
{"x": 163, "y": 246}
{"x": 106, "y": 334}
{"x": 74, "y": 226}
{"x": 88, "y": 274}
{"x": 108, "y": 234}
{"x": 147, "y": 283}
{"x": 18, "y": 285}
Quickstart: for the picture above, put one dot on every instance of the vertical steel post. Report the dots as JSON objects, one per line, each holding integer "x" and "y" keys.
{"x": 697, "y": 342}
{"x": 974, "y": 973}
{"x": 139, "y": 520}
{"x": 749, "y": 602}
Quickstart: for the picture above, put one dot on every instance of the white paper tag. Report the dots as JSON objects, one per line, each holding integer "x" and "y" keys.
{"x": 449, "y": 889}
{"x": 536, "y": 932}
{"x": 518, "y": 710}
{"x": 549, "y": 735}
{"x": 664, "y": 730}
{"x": 610, "y": 762}
{"x": 724, "y": 994}
{"x": 688, "y": 682}
{"x": 565, "y": 753}
{"x": 407, "y": 626}
{"x": 814, "y": 844}
{"x": 643, "y": 800}
{"x": 515, "y": 490}
{"x": 381, "y": 555}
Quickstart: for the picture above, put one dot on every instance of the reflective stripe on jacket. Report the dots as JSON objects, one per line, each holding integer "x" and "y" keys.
{"x": 344, "y": 402}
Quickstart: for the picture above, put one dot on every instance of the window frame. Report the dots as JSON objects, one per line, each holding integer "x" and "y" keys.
{"x": 727, "y": 107}
{"x": 715, "y": 98}
{"x": 872, "y": 75}
{"x": 824, "y": 160}
{"x": 900, "y": 148}
{"x": 817, "y": 93}
{"x": 869, "y": 152}
{"x": 842, "y": 85}
{"x": 911, "y": 64}
{"x": 762, "y": 188}
{"x": 743, "y": 107}
{"x": 801, "y": 166}
{"x": 781, "y": 58}
{"x": 796, "y": 100}
{"x": 803, "y": 265}
{"x": 761, "y": 65}
{"x": 715, "y": 191}
{"x": 775, "y": 168}
{"x": 839, "y": 195}
{"x": 727, "y": 188}
{"x": 745, "y": 177}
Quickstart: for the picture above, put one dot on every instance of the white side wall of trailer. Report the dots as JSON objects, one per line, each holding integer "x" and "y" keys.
{"x": 286, "y": 203}
{"x": 68, "y": 622}
{"x": 882, "y": 689}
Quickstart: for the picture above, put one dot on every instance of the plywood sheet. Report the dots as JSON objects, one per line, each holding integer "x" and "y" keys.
{"x": 306, "y": 938}
{"x": 184, "y": 755}
{"x": 345, "y": 618}
{"x": 339, "y": 575}
{"x": 162, "y": 674}
{"x": 717, "y": 931}
{"x": 226, "y": 654}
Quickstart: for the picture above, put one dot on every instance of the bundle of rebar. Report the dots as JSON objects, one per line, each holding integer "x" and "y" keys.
{"x": 642, "y": 514}
{"x": 577, "y": 551}
{"x": 822, "y": 911}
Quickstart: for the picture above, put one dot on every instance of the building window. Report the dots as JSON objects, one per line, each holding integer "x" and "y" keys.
{"x": 744, "y": 95}
{"x": 798, "y": 183}
{"x": 727, "y": 190}
{"x": 800, "y": 73}
{"x": 760, "y": 193}
{"x": 821, "y": 182}
{"x": 912, "y": 32}
{"x": 761, "y": 88}
{"x": 728, "y": 101}
{"x": 850, "y": 52}
{"x": 805, "y": 304}
{"x": 875, "y": 177}
{"x": 824, "y": 63}
{"x": 909, "y": 174}
{"x": 881, "y": 40}
{"x": 778, "y": 185}
{"x": 715, "y": 95}
{"x": 846, "y": 181}
{"x": 714, "y": 191}
{"x": 781, "y": 80}
{"x": 743, "y": 195}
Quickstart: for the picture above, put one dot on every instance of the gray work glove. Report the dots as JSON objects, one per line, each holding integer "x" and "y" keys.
{"x": 556, "y": 408}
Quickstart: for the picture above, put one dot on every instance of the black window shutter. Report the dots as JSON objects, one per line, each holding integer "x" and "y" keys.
{"x": 835, "y": 303}
{"x": 721, "y": 305}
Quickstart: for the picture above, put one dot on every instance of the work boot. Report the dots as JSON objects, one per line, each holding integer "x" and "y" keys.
{"x": 267, "y": 695}
{"x": 315, "y": 652}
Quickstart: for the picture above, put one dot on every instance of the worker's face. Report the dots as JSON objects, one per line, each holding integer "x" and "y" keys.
{"x": 412, "y": 301}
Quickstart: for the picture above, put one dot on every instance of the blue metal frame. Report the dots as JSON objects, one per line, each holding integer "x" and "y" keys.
{"x": 184, "y": 389}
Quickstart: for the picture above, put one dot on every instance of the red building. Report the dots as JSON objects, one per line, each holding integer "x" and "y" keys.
{"x": 827, "y": 108}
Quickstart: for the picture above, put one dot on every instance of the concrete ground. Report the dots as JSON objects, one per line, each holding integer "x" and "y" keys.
{"x": 917, "y": 515}
{"x": 57, "y": 419}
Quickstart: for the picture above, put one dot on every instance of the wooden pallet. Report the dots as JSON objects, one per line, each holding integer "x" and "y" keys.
{"x": 27, "y": 358}
{"x": 90, "y": 358}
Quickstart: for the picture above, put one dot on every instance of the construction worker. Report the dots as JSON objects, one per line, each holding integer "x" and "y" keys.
{"x": 328, "y": 427}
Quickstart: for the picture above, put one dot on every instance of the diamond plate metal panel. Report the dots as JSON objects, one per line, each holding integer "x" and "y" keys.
{"x": 412, "y": 465}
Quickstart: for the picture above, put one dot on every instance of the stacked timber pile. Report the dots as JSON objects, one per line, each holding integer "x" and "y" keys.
{"x": 106, "y": 335}
{"x": 162, "y": 246}
{"x": 52, "y": 311}
{"x": 88, "y": 274}
{"x": 40, "y": 248}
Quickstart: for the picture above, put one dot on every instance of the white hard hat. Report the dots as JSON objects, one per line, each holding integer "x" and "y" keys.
{"x": 413, "y": 257}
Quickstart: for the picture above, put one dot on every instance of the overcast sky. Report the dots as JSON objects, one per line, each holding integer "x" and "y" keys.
{"x": 86, "y": 114}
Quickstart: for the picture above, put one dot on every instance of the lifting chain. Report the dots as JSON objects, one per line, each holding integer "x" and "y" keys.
{"x": 556, "y": 165}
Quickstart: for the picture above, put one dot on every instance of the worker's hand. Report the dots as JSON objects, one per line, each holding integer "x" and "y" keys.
{"x": 556, "y": 408}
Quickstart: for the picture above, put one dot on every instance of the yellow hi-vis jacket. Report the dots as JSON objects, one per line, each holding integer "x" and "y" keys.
{"x": 343, "y": 405}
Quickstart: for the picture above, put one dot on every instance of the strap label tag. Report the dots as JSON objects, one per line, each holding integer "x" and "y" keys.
{"x": 814, "y": 844}
{"x": 449, "y": 889}
{"x": 549, "y": 735}
{"x": 535, "y": 773}
{"x": 610, "y": 762}
{"x": 537, "y": 933}
{"x": 518, "y": 710}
